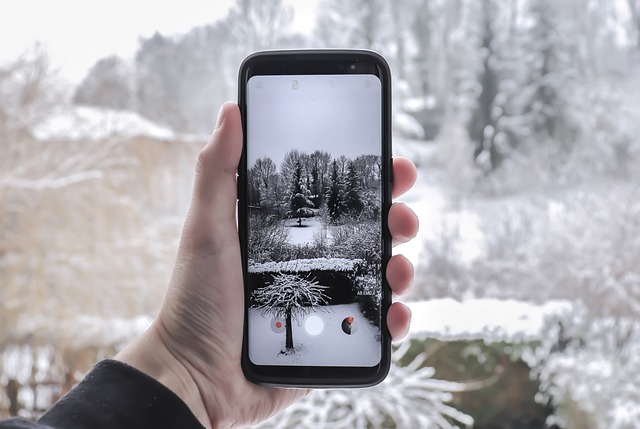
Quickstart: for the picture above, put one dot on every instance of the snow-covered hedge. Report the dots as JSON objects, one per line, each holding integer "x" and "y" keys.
{"x": 487, "y": 319}
{"x": 307, "y": 265}
{"x": 339, "y": 276}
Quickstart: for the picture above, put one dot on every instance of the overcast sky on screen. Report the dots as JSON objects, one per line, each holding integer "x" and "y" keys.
{"x": 77, "y": 33}
{"x": 338, "y": 114}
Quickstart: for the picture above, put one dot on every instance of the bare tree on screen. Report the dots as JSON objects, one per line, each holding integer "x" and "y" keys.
{"x": 289, "y": 296}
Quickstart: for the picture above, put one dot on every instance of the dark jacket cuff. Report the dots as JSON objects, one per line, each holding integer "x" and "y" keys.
{"x": 115, "y": 395}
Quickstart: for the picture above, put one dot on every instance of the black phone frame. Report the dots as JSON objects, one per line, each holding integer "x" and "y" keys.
{"x": 320, "y": 61}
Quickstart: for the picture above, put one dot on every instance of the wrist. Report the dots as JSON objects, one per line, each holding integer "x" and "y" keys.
{"x": 148, "y": 354}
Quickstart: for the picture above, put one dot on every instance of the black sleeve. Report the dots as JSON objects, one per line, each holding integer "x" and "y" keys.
{"x": 114, "y": 396}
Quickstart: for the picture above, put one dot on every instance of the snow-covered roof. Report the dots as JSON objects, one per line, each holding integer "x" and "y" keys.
{"x": 486, "y": 319}
{"x": 84, "y": 330}
{"x": 419, "y": 103}
{"x": 92, "y": 123}
{"x": 305, "y": 265}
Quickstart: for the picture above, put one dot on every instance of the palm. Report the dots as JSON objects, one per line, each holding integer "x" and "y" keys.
{"x": 205, "y": 327}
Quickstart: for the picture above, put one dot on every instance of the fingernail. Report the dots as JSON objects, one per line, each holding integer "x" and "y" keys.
{"x": 220, "y": 117}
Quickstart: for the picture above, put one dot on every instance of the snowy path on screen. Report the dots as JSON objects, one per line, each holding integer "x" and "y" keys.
{"x": 303, "y": 234}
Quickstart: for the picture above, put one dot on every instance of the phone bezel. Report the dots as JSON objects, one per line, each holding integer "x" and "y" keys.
{"x": 300, "y": 62}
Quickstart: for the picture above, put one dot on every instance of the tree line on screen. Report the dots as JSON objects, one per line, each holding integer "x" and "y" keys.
{"x": 342, "y": 194}
{"x": 306, "y": 184}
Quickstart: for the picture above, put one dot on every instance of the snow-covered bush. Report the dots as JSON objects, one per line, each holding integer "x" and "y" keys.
{"x": 583, "y": 245}
{"x": 588, "y": 370}
{"x": 358, "y": 241}
{"x": 87, "y": 218}
{"x": 408, "y": 398}
{"x": 268, "y": 237}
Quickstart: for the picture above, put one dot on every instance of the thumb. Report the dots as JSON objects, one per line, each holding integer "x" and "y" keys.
{"x": 213, "y": 205}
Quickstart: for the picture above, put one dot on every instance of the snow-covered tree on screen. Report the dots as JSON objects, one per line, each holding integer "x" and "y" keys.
{"x": 319, "y": 162}
{"x": 353, "y": 197}
{"x": 335, "y": 194}
{"x": 289, "y": 296}
{"x": 299, "y": 204}
{"x": 264, "y": 181}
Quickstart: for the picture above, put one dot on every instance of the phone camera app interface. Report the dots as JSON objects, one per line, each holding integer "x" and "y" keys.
{"x": 314, "y": 184}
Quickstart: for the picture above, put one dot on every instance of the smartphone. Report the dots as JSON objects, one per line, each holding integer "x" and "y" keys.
{"x": 314, "y": 191}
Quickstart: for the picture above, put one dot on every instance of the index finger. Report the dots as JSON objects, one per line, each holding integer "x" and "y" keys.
{"x": 404, "y": 175}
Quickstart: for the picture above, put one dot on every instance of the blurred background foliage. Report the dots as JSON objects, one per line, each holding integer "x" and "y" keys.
{"x": 523, "y": 117}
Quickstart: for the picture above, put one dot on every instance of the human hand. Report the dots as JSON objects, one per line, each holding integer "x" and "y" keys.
{"x": 194, "y": 346}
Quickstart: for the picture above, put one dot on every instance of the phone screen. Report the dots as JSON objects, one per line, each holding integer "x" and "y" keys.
{"x": 314, "y": 241}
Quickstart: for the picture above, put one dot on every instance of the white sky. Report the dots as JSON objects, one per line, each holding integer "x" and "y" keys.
{"x": 76, "y": 33}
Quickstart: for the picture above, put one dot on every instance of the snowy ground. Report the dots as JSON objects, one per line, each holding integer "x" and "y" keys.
{"x": 330, "y": 346}
{"x": 304, "y": 234}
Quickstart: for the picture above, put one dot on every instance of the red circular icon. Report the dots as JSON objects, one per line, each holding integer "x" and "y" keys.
{"x": 277, "y": 325}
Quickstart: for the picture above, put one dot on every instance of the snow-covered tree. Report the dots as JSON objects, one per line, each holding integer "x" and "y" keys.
{"x": 109, "y": 83}
{"x": 159, "y": 65}
{"x": 482, "y": 127}
{"x": 265, "y": 184}
{"x": 289, "y": 296}
{"x": 319, "y": 162}
{"x": 634, "y": 10}
{"x": 29, "y": 90}
{"x": 355, "y": 24}
{"x": 254, "y": 25}
{"x": 291, "y": 159}
{"x": 299, "y": 202}
{"x": 259, "y": 25}
{"x": 335, "y": 194}
{"x": 179, "y": 79}
{"x": 353, "y": 192}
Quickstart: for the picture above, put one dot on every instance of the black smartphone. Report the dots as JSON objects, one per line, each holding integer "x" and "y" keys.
{"x": 314, "y": 190}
